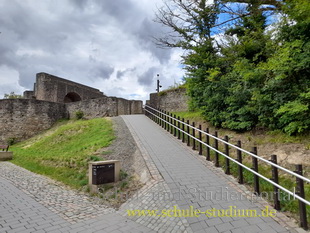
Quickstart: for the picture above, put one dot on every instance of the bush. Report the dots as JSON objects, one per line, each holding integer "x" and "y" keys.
{"x": 294, "y": 117}
{"x": 79, "y": 114}
{"x": 11, "y": 141}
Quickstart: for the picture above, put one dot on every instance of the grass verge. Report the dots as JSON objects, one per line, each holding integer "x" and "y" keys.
{"x": 64, "y": 151}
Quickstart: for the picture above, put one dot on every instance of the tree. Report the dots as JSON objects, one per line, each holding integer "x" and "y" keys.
{"x": 240, "y": 74}
{"x": 190, "y": 23}
{"x": 12, "y": 95}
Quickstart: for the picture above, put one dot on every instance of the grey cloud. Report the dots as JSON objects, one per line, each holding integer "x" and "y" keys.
{"x": 122, "y": 73}
{"x": 144, "y": 29}
{"x": 148, "y": 77}
{"x": 27, "y": 77}
{"x": 120, "y": 9}
{"x": 146, "y": 33}
{"x": 103, "y": 71}
{"x": 59, "y": 40}
{"x": 79, "y": 3}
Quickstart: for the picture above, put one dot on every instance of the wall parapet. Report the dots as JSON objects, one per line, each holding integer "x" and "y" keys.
{"x": 170, "y": 100}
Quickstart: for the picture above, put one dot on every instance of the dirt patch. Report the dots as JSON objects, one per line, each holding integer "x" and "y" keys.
{"x": 289, "y": 152}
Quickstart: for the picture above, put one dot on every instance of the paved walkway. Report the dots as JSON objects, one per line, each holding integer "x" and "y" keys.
{"x": 34, "y": 203}
{"x": 192, "y": 182}
{"x": 50, "y": 207}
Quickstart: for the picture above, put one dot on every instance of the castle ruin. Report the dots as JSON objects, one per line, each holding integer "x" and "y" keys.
{"x": 55, "y": 98}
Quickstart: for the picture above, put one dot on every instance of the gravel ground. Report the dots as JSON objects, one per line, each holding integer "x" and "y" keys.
{"x": 123, "y": 147}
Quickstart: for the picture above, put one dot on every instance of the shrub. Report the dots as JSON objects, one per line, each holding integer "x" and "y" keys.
{"x": 79, "y": 114}
{"x": 11, "y": 141}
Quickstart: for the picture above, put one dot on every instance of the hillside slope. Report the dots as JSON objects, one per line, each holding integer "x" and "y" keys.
{"x": 63, "y": 152}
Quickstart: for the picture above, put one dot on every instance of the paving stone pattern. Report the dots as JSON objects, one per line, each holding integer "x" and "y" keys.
{"x": 35, "y": 203}
{"x": 187, "y": 178}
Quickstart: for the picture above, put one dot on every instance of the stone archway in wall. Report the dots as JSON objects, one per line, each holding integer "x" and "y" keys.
{"x": 72, "y": 97}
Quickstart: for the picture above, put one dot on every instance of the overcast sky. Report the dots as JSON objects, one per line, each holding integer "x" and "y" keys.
{"x": 105, "y": 44}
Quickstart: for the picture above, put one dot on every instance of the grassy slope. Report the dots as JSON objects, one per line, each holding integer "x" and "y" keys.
{"x": 64, "y": 151}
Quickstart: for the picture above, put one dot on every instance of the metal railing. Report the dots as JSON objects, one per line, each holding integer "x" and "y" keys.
{"x": 177, "y": 126}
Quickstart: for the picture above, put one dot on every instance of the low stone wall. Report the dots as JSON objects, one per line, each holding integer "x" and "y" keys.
{"x": 6, "y": 155}
{"x": 101, "y": 107}
{"x": 24, "y": 118}
{"x": 171, "y": 100}
{"x": 105, "y": 107}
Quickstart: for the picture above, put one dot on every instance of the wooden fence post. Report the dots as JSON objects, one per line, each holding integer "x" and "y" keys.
{"x": 208, "y": 143}
{"x": 301, "y": 193}
{"x": 216, "y": 146}
{"x": 200, "y": 138}
{"x": 188, "y": 137}
{"x": 227, "y": 169}
{"x": 171, "y": 123}
{"x": 179, "y": 135}
{"x": 175, "y": 126}
{"x": 168, "y": 121}
{"x": 240, "y": 168}
{"x": 255, "y": 168}
{"x": 194, "y": 141}
{"x": 183, "y": 128}
{"x": 275, "y": 178}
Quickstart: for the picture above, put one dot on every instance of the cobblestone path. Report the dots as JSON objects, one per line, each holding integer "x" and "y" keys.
{"x": 34, "y": 203}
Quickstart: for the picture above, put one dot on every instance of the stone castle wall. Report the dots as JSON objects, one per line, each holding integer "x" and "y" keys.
{"x": 104, "y": 107}
{"x": 24, "y": 118}
{"x": 171, "y": 100}
{"x": 100, "y": 107}
{"x": 54, "y": 98}
{"x": 55, "y": 89}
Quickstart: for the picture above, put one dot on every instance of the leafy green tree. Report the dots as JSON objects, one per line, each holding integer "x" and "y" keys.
{"x": 255, "y": 77}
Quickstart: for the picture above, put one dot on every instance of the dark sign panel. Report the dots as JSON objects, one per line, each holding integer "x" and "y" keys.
{"x": 103, "y": 174}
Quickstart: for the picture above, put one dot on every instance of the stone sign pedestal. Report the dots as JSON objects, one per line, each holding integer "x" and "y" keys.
{"x": 6, "y": 155}
{"x": 103, "y": 172}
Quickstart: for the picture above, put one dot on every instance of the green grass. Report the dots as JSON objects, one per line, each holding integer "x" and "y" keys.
{"x": 64, "y": 151}
{"x": 192, "y": 116}
{"x": 173, "y": 88}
